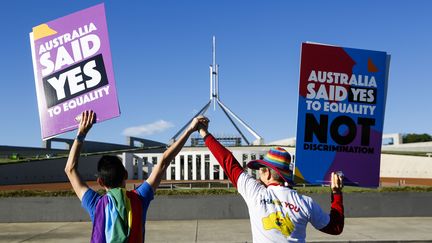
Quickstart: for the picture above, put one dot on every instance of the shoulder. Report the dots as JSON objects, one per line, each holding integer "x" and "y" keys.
{"x": 89, "y": 201}
{"x": 145, "y": 191}
{"x": 90, "y": 196}
{"x": 306, "y": 200}
{"x": 245, "y": 179}
{"x": 249, "y": 187}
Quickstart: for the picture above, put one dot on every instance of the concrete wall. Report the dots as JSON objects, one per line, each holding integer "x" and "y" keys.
{"x": 7, "y": 151}
{"x": 404, "y": 166}
{"x": 45, "y": 171}
{"x": 401, "y": 204}
{"x": 411, "y": 147}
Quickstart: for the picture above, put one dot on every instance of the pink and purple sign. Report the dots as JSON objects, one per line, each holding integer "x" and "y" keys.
{"x": 73, "y": 70}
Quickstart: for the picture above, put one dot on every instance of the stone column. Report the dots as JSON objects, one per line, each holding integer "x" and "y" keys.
{"x": 211, "y": 170}
{"x": 202, "y": 166}
{"x": 194, "y": 167}
{"x": 177, "y": 168}
{"x": 186, "y": 167}
{"x": 127, "y": 159}
{"x": 140, "y": 165}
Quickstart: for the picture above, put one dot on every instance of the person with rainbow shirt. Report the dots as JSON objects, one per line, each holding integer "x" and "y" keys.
{"x": 277, "y": 212}
{"x": 119, "y": 215}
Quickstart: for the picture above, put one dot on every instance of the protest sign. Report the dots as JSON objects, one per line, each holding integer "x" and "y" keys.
{"x": 342, "y": 95}
{"x": 73, "y": 70}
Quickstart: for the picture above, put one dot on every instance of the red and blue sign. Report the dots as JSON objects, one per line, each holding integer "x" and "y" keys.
{"x": 342, "y": 95}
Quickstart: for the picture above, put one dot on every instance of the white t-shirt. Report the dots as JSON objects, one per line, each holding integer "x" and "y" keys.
{"x": 278, "y": 213}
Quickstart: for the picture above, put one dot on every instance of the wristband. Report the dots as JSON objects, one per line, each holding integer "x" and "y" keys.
{"x": 206, "y": 136}
{"x": 80, "y": 138}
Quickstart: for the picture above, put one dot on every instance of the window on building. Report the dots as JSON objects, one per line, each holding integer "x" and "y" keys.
{"x": 173, "y": 170}
{"x": 182, "y": 167}
{"x": 245, "y": 159}
{"x": 207, "y": 167}
{"x": 198, "y": 166}
{"x": 189, "y": 172}
{"x": 216, "y": 172}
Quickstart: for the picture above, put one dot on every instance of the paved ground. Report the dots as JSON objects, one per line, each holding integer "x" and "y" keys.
{"x": 356, "y": 230}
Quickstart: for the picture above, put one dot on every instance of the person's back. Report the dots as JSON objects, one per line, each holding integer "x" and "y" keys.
{"x": 278, "y": 213}
{"x": 119, "y": 215}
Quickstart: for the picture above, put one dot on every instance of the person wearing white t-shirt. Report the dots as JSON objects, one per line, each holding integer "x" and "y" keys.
{"x": 277, "y": 212}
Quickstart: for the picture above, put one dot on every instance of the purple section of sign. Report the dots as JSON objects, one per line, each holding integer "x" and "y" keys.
{"x": 361, "y": 169}
{"x": 65, "y": 60}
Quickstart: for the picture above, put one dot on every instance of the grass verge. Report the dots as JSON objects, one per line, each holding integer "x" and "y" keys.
{"x": 214, "y": 191}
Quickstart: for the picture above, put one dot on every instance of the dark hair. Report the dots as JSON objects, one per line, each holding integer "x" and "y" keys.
{"x": 111, "y": 171}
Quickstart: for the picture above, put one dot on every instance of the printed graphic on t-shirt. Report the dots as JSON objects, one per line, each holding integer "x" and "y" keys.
{"x": 278, "y": 222}
{"x": 276, "y": 202}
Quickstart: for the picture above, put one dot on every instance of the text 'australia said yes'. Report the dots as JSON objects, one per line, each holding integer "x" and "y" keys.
{"x": 71, "y": 68}
{"x": 326, "y": 88}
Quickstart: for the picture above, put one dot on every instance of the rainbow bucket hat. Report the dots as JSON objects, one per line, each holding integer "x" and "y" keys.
{"x": 277, "y": 159}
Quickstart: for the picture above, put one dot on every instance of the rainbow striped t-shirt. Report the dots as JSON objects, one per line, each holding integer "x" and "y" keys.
{"x": 119, "y": 215}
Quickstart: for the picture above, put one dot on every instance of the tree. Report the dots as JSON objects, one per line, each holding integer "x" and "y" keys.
{"x": 416, "y": 138}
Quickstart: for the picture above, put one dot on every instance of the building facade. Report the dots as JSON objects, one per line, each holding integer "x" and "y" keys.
{"x": 192, "y": 163}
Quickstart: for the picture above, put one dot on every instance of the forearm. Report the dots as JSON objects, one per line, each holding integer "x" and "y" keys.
{"x": 337, "y": 218}
{"x": 72, "y": 162}
{"x": 225, "y": 158}
{"x": 175, "y": 148}
{"x": 160, "y": 169}
{"x": 71, "y": 169}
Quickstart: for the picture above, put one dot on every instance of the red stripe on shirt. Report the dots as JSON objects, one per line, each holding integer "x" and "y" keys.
{"x": 136, "y": 232}
{"x": 227, "y": 161}
{"x": 336, "y": 224}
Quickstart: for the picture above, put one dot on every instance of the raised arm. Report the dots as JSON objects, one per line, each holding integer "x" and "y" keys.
{"x": 227, "y": 161}
{"x": 337, "y": 218}
{"x": 159, "y": 170}
{"x": 71, "y": 169}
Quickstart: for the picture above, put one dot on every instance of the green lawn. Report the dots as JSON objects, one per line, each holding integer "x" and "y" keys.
{"x": 224, "y": 191}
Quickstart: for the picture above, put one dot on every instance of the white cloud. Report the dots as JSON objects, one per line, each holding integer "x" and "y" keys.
{"x": 148, "y": 129}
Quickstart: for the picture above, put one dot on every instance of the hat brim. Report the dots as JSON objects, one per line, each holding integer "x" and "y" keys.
{"x": 259, "y": 163}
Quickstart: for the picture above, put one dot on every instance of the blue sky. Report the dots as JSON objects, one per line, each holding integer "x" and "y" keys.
{"x": 162, "y": 49}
